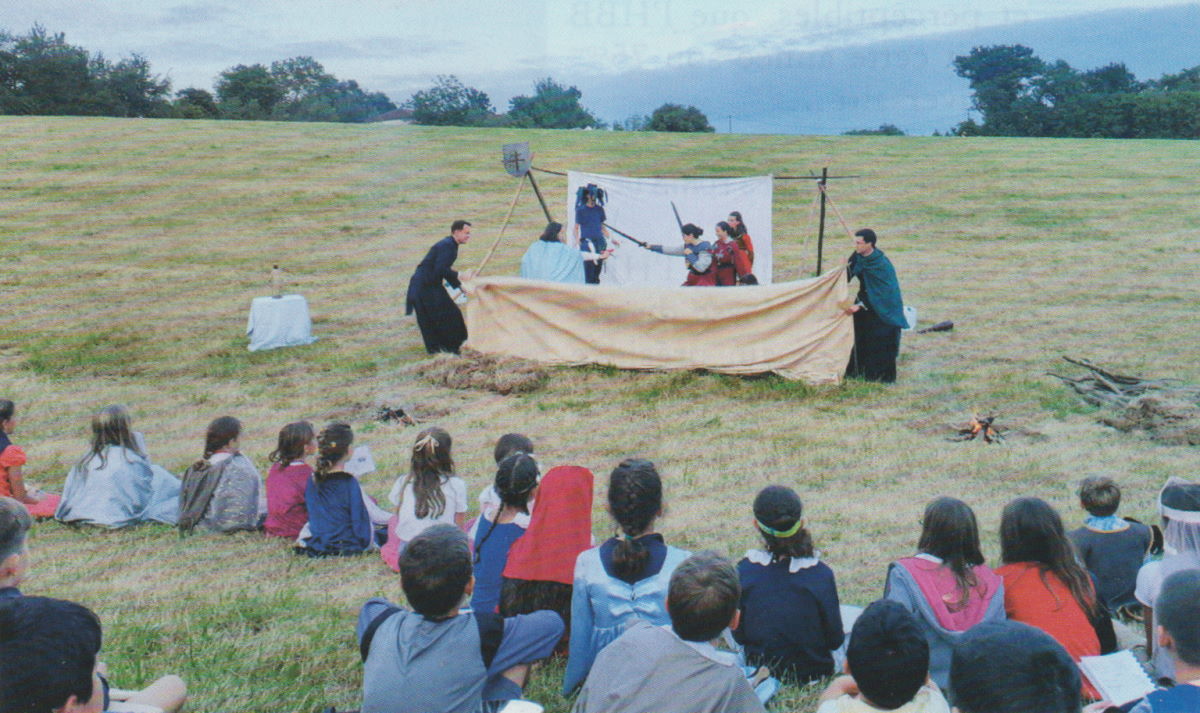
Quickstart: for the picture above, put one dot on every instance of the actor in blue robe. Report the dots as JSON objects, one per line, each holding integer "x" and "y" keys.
{"x": 552, "y": 260}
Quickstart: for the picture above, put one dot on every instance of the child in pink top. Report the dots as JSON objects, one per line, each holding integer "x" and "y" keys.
{"x": 287, "y": 479}
{"x": 12, "y": 484}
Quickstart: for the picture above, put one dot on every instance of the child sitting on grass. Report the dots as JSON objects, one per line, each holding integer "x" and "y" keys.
{"x": 655, "y": 669}
{"x": 339, "y": 521}
{"x": 489, "y": 499}
{"x": 791, "y": 620}
{"x": 1112, "y": 548}
{"x": 1178, "y": 634}
{"x": 288, "y": 478}
{"x": 436, "y": 658}
{"x": 626, "y": 577}
{"x": 48, "y": 664}
{"x": 888, "y": 665}
{"x": 12, "y": 458}
{"x": 430, "y": 493}
{"x": 516, "y": 482}
{"x": 221, "y": 491}
{"x": 15, "y": 522}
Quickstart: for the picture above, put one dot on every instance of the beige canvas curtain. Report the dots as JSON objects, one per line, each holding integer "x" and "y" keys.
{"x": 795, "y": 329}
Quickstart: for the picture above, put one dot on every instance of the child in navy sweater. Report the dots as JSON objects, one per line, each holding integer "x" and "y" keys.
{"x": 791, "y": 621}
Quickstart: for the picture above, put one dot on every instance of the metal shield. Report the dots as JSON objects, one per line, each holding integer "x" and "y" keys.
{"x": 517, "y": 159}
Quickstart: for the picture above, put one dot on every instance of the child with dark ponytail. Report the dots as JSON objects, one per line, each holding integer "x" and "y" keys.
{"x": 626, "y": 577}
{"x": 338, "y": 520}
{"x": 791, "y": 617}
{"x": 516, "y": 483}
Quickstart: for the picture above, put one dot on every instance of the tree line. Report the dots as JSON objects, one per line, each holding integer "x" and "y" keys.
{"x": 1019, "y": 94}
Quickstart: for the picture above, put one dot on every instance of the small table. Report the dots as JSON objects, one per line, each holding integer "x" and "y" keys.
{"x": 279, "y": 322}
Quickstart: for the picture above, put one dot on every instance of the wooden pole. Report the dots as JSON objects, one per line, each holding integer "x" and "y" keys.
{"x": 821, "y": 224}
{"x": 511, "y": 206}
{"x": 541, "y": 200}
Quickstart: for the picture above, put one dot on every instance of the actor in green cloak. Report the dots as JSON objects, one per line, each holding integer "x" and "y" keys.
{"x": 878, "y": 311}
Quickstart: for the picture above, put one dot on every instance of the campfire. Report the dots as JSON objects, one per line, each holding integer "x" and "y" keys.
{"x": 980, "y": 428}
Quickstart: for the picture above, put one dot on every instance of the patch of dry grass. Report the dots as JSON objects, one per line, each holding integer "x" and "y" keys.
{"x": 133, "y": 248}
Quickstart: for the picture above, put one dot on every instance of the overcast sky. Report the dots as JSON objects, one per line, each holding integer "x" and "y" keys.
{"x": 398, "y": 46}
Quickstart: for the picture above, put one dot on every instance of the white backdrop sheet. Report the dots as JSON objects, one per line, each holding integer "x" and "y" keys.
{"x": 642, "y": 208}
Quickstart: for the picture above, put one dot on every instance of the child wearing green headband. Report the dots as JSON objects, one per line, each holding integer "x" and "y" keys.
{"x": 791, "y": 621}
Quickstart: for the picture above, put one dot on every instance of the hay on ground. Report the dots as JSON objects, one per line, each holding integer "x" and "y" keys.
{"x": 472, "y": 370}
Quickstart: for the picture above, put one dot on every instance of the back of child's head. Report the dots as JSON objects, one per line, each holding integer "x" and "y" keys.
{"x": 431, "y": 462}
{"x": 1179, "y": 506}
{"x": 48, "y": 653}
{"x": 293, "y": 438}
{"x": 435, "y": 568}
{"x": 888, "y": 655}
{"x": 7, "y": 409}
{"x": 1010, "y": 667}
{"x": 950, "y": 532}
{"x": 1178, "y": 612}
{"x": 511, "y": 443}
{"x": 1099, "y": 495}
{"x": 15, "y": 522}
{"x": 111, "y": 426}
{"x": 635, "y": 499}
{"x": 703, "y": 596}
{"x": 778, "y": 513}
{"x": 1032, "y": 531}
{"x": 221, "y": 431}
{"x": 516, "y": 477}
{"x": 333, "y": 444}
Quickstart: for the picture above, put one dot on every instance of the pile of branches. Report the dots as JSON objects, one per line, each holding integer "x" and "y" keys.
{"x": 472, "y": 370}
{"x": 1167, "y": 410}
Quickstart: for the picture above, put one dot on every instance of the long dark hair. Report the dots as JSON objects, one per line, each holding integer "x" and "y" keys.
{"x": 7, "y": 409}
{"x": 431, "y": 463}
{"x": 950, "y": 533}
{"x": 111, "y": 426}
{"x": 635, "y": 500}
{"x": 516, "y": 477}
{"x": 779, "y": 508}
{"x": 550, "y": 234}
{"x": 740, "y": 230}
{"x": 221, "y": 431}
{"x": 1031, "y": 531}
{"x": 333, "y": 443}
{"x": 292, "y": 440}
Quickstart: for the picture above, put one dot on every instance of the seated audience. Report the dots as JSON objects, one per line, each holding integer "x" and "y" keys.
{"x": 15, "y": 522}
{"x": 1179, "y": 507}
{"x": 652, "y": 669}
{"x": 48, "y": 664}
{"x": 553, "y": 260}
{"x": 115, "y": 484}
{"x": 429, "y": 494}
{"x": 1010, "y": 667}
{"x": 1044, "y": 584}
{"x": 489, "y": 499}
{"x": 791, "y": 620}
{"x": 946, "y": 585}
{"x": 287, "y": 480}
{"x": 516, "y": 482}
{"x": 1178, "y": 635}
{"x": 541, "y": 563}
{"x": 624, "y": 579}
{"x": 223, "y": 491}
{"x": 1112, "y": 548}
{"x": 12, "y": 459}
{"x": 339, "y": 520}
{"x": 436, "y": 658}
{"x": 888, "y": 666}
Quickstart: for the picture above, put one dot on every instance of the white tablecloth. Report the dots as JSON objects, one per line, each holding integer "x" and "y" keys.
{"x": 279, "y": 322}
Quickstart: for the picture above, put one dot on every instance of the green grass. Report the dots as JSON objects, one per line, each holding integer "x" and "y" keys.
{"x": 133, "y": 248}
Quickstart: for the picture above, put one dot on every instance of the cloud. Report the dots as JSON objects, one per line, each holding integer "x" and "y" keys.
{"x": 195, "y": 14}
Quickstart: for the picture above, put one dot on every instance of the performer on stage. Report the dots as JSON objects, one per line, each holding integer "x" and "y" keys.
{"x": 878, "y": 311}
{"x": 552, "y": 260}
{"x": 731, "y": 263}
{"x": 590, "y": 234}
{"x": 441, "y": 322}
{"x": 702, "y": 271}
{"x": 740, "y": 235}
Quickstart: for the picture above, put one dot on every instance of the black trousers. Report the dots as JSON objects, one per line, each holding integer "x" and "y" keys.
{"x": 876, "y": 346}
{"x": 440, "y": 320}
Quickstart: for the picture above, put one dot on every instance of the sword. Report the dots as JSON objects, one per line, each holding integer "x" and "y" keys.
{"x": 677, "y": 220}
{"x": 626, "y": 235}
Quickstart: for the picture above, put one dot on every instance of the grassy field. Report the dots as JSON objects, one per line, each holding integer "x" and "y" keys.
{"x": 132, "y": 250}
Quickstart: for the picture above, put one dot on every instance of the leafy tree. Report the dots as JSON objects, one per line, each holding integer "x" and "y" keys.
{"x": 553, "y": 106}
{"x": 635, "y": 122}
{"x": 676, "y": 117}
{"x": 1002, "y": 78}
{"x": 195, "y": 104}
{"x": 449, "y": 103}
{"x": 134, "y": 91}
{"x": 1112, "y": 78}
{"x": 883, "y": 130}
{"x": 1187, "y": 80}
{"x": 42, "y": 74}
{"x": 248, "y": 92}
